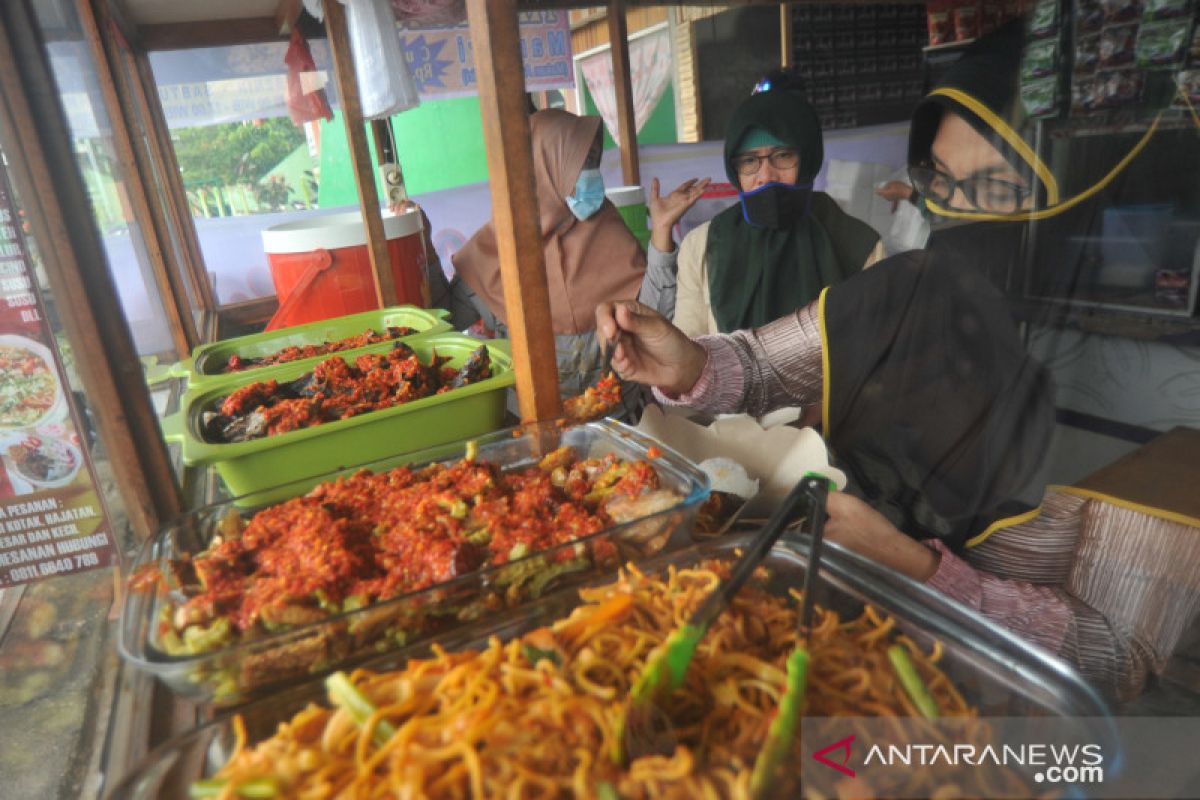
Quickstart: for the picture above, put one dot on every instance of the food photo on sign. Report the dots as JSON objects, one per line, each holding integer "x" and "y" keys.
{"x": 30, "y": 393}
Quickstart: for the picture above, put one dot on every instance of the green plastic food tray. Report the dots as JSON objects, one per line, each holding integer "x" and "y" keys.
{"x": 250, "y": 468}
{"x": 203, "y": 368}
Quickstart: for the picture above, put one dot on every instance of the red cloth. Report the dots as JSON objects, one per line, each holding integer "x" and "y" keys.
{"x": 303, "y": 107}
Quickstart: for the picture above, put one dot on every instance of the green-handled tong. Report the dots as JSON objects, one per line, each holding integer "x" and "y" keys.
{"x": 791, "y": 705}
{"x": 666, "y": 669}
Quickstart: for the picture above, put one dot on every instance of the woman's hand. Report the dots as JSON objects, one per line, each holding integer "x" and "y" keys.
{"x": 895, "y": 191}
{"x": 666, "y": 211}
{"x": 651, "y": 349}
{"x": 854, "y": 524}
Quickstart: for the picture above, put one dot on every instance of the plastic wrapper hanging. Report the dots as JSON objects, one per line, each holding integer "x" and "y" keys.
{"x": 1043, "y": 24}
{"x": 385, "y": 84}
{"x": 1166, "y": 9}
{"x": 1162, "y": 45}
{"x": 306, "y": 99}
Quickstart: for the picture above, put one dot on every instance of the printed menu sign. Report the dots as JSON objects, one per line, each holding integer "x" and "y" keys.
{"x": 51, "y": 519}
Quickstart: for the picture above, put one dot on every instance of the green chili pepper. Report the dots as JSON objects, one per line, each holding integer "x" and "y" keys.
{"x": 346, "y": 695}
{"x": 911, "y": 681}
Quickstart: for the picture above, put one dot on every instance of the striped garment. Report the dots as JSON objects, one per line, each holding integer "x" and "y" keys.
{"x": 1110, "y": 589}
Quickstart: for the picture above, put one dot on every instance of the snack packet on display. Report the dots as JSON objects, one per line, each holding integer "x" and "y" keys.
{"x": 1118, "y": 46}
{"x": 1162, "y": 45}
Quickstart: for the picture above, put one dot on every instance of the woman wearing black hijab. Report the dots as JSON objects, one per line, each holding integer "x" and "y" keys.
{"x": 937, "y": 412}
{"x": 781, "y": 244}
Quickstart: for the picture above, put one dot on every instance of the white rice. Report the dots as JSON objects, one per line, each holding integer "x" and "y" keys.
{"x": 726, "y": 475}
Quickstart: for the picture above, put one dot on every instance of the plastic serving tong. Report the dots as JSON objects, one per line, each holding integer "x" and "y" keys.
{"x": 791, "y": 706}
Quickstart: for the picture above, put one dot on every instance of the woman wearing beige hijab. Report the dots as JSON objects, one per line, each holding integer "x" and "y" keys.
{"x": 590, "y": 254}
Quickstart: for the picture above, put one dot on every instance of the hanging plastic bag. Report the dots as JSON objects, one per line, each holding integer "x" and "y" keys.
{"x": 384, "y": 82}
{"x": 306, "y": 100}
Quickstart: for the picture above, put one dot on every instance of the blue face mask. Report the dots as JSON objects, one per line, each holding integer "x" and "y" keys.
{"x": 588, "y": 196}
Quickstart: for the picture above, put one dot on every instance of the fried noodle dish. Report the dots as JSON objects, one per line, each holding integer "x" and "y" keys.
{"x": 542, "y": 715}
{"x": 238, "y": 363}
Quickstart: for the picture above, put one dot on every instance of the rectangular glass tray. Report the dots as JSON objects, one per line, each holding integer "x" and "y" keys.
{"x": 998, "y": 673}
{"x": 238, "y": 672}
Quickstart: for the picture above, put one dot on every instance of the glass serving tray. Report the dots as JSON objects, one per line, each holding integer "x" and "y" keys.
{"x": 998, "y": 674}
{"x": 235, "y": 673}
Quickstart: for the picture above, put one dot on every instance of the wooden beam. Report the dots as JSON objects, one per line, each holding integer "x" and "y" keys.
{"x": 786, "y": 47}
{"x": 501, "y": 80}
{"x": 41, "y": 159}
{"x": 618, "y": 37}
{"x": 139, "y": 176}
{"x": 163, "y": 150}
{"x": 209, "y": 33}
{"x": 286, "y": 14}
{"x": 120, "y": 17}
{"x": 360, "y": 153}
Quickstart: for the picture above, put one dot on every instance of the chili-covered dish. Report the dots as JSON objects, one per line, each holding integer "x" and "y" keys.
{"x": 335, "y": 389}
{"x": 296, "y": 352}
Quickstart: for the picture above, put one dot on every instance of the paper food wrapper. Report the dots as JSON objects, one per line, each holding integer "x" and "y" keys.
{"x": 778, "y": 457}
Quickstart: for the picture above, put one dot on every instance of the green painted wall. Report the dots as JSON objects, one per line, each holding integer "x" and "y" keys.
{"x": 441, "y": 146}
{"x": 659, "y": 129}
{"x": 440, "y": 143}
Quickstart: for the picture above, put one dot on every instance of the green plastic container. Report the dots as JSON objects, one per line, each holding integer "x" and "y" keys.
{"x": 631, "y": 205}
{"x": 252, "y": 469}
{"x": 203, "y": 368}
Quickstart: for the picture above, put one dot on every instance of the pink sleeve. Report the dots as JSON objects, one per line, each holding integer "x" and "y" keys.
{"x": 1038, "y": 613}
{"x": 710, "y": 394}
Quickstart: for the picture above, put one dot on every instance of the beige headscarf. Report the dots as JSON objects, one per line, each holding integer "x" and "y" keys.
{"x": 586, "y": 262}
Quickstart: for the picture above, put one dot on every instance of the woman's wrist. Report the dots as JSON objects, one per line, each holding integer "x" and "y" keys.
{"x": 691, "y": 368}
{"x": 661, "y": 238}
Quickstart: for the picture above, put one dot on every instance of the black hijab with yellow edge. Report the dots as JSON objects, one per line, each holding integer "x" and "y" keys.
{"x": 932, "y": 404}
{"x": 759, "y": 274}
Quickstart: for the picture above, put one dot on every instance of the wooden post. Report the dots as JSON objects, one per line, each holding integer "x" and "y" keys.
{"x": 138, "y": 184}
{"x": 501, "y": 80}
{"x": 618, "y": 38}
{"x": 360, "y": 152}
{"x": 786, "y": 47}
{"x": 38, "y": 147}
{"x": 163, "y": 152}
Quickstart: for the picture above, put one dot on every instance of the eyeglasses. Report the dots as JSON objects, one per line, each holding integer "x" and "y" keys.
{"x": 983, "y": 193}
{"x": 749, "y": 163}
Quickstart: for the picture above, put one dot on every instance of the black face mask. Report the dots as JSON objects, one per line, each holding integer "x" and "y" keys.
{"x": 776, "y": 205}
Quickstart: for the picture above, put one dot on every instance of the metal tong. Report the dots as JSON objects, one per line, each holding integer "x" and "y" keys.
{"x": 665, "y": 670}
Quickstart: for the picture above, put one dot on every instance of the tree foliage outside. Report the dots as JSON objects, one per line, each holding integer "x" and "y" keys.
{"x": 273, "y": 192}
{"x": 235, "y": 153}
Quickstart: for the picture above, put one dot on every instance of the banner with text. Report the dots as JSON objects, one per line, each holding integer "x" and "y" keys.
{"x": 443, "y": 63}
{"x": 51, "y": 518}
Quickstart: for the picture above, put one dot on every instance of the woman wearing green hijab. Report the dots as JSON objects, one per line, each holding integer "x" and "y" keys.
{"x": 782, "y": 243}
